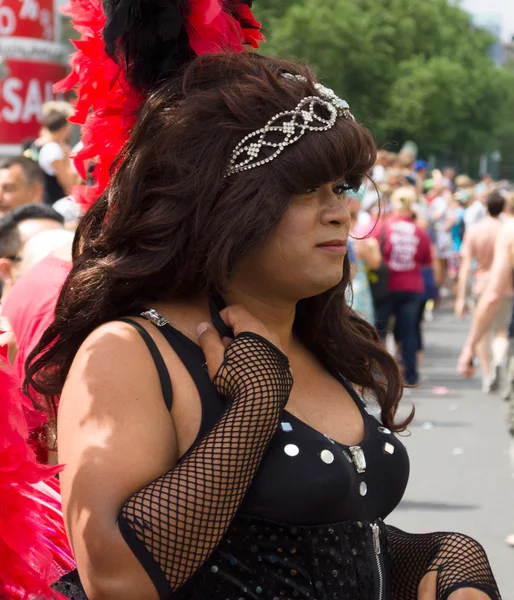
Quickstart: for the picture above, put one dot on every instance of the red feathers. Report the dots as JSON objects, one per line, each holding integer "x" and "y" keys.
{"x": 212, "y": 29}
{"x": 30, "y": 533}
{"x": 106, "y": 105}
{"x": 250, "y": 26}
{"x": 107, "y": 102}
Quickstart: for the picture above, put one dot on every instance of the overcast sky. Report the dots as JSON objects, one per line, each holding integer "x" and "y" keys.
{"x": 503, "y": 8}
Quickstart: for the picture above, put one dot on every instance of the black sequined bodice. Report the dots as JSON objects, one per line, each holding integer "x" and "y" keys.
{"x": 269, "y": 561}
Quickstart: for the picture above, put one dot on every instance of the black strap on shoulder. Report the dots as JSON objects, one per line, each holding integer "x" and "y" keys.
{"x": 216, "y": 305}
{"x": 164, "y": 376}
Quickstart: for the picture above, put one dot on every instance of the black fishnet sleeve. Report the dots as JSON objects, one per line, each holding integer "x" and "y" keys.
{"x": 180, "y": 518}
{"x": 458, "y": 560}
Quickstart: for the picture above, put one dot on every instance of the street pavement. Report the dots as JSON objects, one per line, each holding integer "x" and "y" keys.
{"x": 461, "y": 454}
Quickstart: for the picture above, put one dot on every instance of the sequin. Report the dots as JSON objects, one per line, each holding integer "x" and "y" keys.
{"x": 347, "y": 456}
{"x": 384, "y": 430}
{"x": 292, "y": 450}
{"x": 388, "y": 448}
{"x": 258, "y": 590}
{"x": 214, "y": 569}
{"x": 363, "y": 488}
{"x": 286, "y": 427}
{"x": 327, "y": 457}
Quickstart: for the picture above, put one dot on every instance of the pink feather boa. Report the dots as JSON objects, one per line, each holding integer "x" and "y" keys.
{"x": 34, "y": 551}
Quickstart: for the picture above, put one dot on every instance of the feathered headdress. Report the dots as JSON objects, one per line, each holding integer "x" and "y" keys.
{"x": 126, "y": 47}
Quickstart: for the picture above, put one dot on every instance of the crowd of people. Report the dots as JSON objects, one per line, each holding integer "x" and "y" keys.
{"x": 422, "y": 237}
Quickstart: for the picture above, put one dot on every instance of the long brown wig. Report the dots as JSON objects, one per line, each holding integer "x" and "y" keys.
{"x": 171, "y": 225}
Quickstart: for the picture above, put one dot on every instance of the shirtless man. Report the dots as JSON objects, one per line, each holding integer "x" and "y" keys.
{"x": 500, "y": 279}
{"x": 501, "y": 275}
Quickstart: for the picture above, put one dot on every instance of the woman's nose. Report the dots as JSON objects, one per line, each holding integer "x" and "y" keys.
{"x": 336, "y": 212}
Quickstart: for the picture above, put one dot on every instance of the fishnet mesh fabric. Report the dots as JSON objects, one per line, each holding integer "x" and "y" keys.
{"x": 460, "y": 562}
{"x": 181, "y": 517}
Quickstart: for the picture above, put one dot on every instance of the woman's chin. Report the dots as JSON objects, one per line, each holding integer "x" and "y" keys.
{"x": 320, "y": 286}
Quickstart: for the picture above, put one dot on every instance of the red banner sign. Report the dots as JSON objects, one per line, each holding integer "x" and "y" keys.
{"x": 28, "y": 18}
{"x": 31, "y": 53}
{"x": 22, "y": 93}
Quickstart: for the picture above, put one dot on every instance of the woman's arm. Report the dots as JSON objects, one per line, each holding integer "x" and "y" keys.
{"x": 120, "y": 439}
{"x": 439, "y": 566}
{"x": 115, "y": 435}
{"x": 180, "y": 518}
{"x": 65, "y": 174}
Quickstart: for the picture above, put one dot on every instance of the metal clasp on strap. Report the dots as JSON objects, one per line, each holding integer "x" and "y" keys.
{"x": 154, "y": 317}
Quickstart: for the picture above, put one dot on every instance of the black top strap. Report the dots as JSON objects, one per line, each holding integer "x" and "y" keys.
{"x": 164, "y": 377}
{"x": 216, "y": 305}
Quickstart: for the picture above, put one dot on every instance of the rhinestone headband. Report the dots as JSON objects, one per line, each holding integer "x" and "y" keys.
{"x": 287, "y": 127}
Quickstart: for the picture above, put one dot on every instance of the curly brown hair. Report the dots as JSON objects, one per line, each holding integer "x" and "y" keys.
{"x": 171, "y": 225}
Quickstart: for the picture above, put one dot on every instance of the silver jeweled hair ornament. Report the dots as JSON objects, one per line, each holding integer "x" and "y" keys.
{"x": 291, "y": 124}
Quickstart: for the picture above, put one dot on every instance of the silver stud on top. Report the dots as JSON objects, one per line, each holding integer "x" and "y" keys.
{"x": 327, "y": 457}
{"x": 388, "y": 448}
{"x": 292, "y": 450}
{"x": 363, "y": 488}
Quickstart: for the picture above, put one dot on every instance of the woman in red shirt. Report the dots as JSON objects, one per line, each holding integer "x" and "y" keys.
{"x": 406, "y": 249}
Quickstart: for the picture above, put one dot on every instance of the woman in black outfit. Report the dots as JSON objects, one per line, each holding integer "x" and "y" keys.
{"x": 208, "y": 277}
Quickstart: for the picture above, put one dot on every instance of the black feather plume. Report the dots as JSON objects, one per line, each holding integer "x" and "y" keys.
{"x": 148, "y": 36}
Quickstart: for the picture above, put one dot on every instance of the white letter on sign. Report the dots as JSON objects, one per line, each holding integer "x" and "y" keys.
{"x": 9, "y": 89}
{"x": 29, "y": 10}
{"x": 7, "y": 20}
{"x": 33, "y": 102}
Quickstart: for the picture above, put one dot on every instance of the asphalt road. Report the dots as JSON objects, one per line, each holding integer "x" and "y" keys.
{"x": 462, "y": 457}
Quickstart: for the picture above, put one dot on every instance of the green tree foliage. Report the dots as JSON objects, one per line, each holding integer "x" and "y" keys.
{"x": 410, "y": 70}
{"x": 506, "y": 130}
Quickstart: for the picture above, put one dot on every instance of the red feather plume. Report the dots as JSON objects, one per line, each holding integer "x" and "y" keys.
{"x": 211, "y": 28}
{"x": 108, "y": 102}
{"x": 106, "y": 105}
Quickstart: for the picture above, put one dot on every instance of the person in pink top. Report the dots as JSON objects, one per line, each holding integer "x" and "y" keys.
{"x": 406, "y": 249}
{"x": 478, "y": 246}
{"x": 30, "y": 309}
